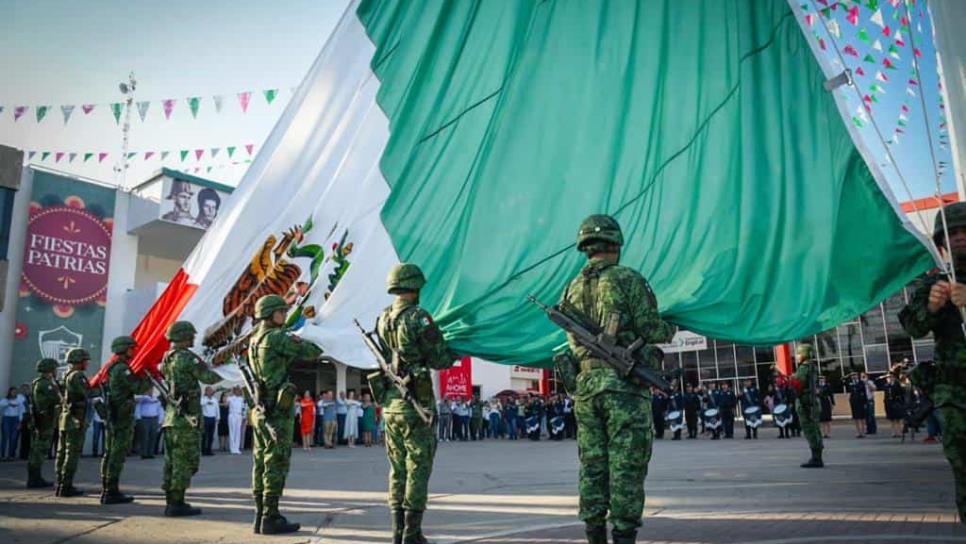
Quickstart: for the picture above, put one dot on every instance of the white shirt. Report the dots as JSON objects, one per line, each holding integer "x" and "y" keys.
{"x": 23, "y": 404}
{"x": 10, "y": 407}
{"x": 150, "y": 407}
{"x": 236, "y": 406}
{"x": 340, "y": 406}
{"x": 209, "y": 407}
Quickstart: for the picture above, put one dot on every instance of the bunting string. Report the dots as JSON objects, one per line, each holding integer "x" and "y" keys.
{"x": 238, "y": 154}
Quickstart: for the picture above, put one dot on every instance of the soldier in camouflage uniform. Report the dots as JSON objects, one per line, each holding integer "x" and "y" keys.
{"x": 45, "y": 397}
{"x": 614, "y": 435}
{"x": 807, "y": 403}
{"x": 416, "y": 345}
{"x": 73, "y": 422}
{"x": 122, "y": 384}
{"x": 271, "y": 351}
{"x": 935, "y": 306}
{"x": 182, "y": 371}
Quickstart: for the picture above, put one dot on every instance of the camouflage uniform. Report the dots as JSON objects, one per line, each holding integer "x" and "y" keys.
{"x": 613, "y": 414}
{"x": 807, "y": 404}
{"x": 73, "y": 423}
{"x": 945, "y": 382}
{"x": 417, "y": 346}
{"x": 182, "y": 371}
{"x": 272, "y": 350}
{"x": 122, "y": 385}
{"x": 45, "y": 398}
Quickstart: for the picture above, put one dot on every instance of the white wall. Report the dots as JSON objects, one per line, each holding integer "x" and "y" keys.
{"x": 8, "y": 316}
{"x": 121, "y": 278}
{"x": 153, "y": 270}
{"x": 491, "y": 377}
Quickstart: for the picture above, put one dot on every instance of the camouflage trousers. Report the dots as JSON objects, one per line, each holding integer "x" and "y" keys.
{"x": 810, "y": 426}
{"x": 410, "y": 446}
{"x": 271, "y": 458}
{"x": 69, "y": 447}
{"x": 954, "y": 446}
{"x": 614, "y": 439}
{"x": 117, "y": 444}
{"x": 40, "y": 438}
{"x": 182, "y": 455}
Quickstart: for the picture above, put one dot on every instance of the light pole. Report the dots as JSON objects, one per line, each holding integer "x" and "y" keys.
{"x": 120, "y": 169}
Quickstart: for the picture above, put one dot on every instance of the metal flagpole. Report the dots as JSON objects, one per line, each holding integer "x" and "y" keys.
{"x": 120, "y": 169}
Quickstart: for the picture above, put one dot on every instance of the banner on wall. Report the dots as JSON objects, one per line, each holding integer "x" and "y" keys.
{"x": 190, "y": 202}
{"x": 63, "y": 286}
{"x": 457, "y": 381}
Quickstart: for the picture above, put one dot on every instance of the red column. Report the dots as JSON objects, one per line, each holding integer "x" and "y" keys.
{"x": 784, "y": 359}
{"x": 545, "y": 382}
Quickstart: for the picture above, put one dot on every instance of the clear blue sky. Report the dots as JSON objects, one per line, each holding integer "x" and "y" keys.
{"x": 62, "y": 52}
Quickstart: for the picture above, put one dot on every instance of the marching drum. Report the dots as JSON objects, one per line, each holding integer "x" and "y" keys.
{"x": 782, "y": 415}
{"x": 676, "y": 420}
{"x": 712, "y": 419}
{"x": 533, "y": 424}
{"x": 557, "y": 424}
{"x": 753, "y": 417}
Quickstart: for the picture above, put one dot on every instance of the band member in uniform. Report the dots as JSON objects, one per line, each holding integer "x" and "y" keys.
{"x": 728, "y": 404}
{"x": 750, "y": 399}
{"x": 659, "y": 404}
{"x": 692, "y": 405}
{"x": 677, "y": 405}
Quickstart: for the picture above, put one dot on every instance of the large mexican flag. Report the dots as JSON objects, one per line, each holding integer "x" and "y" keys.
{"x": 472, "y": 137}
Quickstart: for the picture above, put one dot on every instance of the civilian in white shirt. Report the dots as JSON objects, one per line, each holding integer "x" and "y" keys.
{"x": 149, "y": 408}
{"x": 236, "y": 420}
{"x": 11, "y": 409}
{"x": 211, "y": 414}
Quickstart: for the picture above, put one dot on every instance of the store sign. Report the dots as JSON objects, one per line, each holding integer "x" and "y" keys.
{"x": 526, "y": 373}
{"x": 67, "y": 255}
{"x": 685, "y": 341}
{"x": 457, "y": 381}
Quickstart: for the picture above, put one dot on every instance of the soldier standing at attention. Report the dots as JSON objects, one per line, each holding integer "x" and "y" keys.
{"x": 44, "y": 398}
{"x": 73, "y": 422}
{"x": 416, "y": 345}
{"x": 614, "y": 434}
{"x": 807, "y": 402}
{"x": 122, "y": 385}
{"x": 271, "y": 351}
{"x": 182, "y": 371}
{"x": 936, "y": 306}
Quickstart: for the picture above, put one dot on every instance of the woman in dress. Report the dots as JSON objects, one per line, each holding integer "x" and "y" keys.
{"x": 368, "y": 420}
{"x": 826, "y": 401}
{"x": 857, "y": 402}
{"x": 223, "y": 422}
{"x": 308, "y": 419}
{"x": 351, "y": 432}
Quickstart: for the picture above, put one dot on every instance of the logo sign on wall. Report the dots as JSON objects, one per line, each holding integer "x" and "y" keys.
{"x": 457, "y": 381}
{"x": 685, "y": 341}
{"x": 66, "y": 260}
{"x": 189, "y": 203}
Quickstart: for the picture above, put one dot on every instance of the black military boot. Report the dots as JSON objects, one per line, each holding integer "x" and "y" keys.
{"x": 35, "y": 480}
{"x": 596, "y": 534}
{"x": 257, "y": 524}
{"x": 413, "y": 531}
{"x": 112, "y": 495}
{"x": 398, "y": 525}
{"x": 627, "y": 536}
{"x": 274, "y": 523}
{"x": 177, "y": 508}
{"x": 67, "y": 489}
{"x": 815, "y": 461}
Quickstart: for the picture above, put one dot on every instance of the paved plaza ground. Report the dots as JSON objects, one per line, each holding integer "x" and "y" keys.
{"x": 499, "y": 492}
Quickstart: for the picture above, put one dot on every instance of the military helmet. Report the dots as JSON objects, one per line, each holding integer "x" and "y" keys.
{"x": 955, "y": 218}
{"x": 806, "y": 349}
{"x": 122, "y": 343}
{"x": 268, "y": 304}
{"x": 77, "y": 356}
{"x": 599, "y": 228}
{"x": 180, "y": 331}
{"x": 46, "y": 365}
{"x": 405, "y": 277}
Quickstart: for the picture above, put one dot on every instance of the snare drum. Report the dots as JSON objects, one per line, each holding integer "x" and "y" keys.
{"x": 712, "y": 418}
{"x": 752, "y": 417}
{"x": 782, "y": 415}
{"x": 676, "y": 420}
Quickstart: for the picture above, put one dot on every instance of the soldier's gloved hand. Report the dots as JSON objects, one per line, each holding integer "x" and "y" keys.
{"x": 958, "y": 294}
{"x": 938, "y": 296}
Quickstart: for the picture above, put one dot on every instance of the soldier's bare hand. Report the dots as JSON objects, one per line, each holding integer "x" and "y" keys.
{"x": 938, "y": 296}
{"x": 958, "y": 295}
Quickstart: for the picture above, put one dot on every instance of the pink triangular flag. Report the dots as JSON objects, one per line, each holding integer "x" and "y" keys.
{"x": 243, "y": 100}
{"x": 249, "y": 148}
{"x": 18, "y": 112}
{"x": 168, "y": 105}
{"x": 853, "y": 16}
{"x": 59, "y": 155}
{"x": 199, "y": 153}
{"x": 860, "y": 71}
{"x": 148, "y": 155}
{"x": 87, "y": 108}
{"x": 101, "y": 156}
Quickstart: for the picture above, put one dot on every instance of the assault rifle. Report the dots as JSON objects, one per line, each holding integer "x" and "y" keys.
{"x": 255, "y": 392}
{"x": 625, "y": 360}
{"x": 401, "y": 383}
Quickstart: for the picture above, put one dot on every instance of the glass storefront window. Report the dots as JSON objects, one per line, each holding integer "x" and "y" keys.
{"x": 924, "y": 351}
{"x": 726, "y": 359}
{"x": 850, "y": 340}
{"x": 764, "y": 354}
{"x": 877, "y": 358}
{"x": 873, "y": 326}
{"x": 745, "y": 357}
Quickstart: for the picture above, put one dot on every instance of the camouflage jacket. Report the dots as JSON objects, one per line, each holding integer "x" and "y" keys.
{"x": 45, "y": 398}
{"x": 940, "y": 383}
{"x": 182, "y": 371}
{"x": 417, "y": 346}
{"x": 75, "y": 399}
{"x": 807, "y": 376}
{"x": 271, "y": 351}
{"x": 621, "y": 302}
{"x": 122, "y": 385}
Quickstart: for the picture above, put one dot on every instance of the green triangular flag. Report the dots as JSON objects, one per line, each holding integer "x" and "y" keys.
{"x": 826, "y": 12}
{"x": 857, "y": 121}
{"x": 116, "y": 110}
{"x": 194, "y": 102}
{"x": 231, "y": 150}
{"x": 902, "y": 123}
{"x": 184, "y": 153}
{"x": 270, "y": 95}
{"x": 131, "y": 155}
{"x": 41, "y": 112}
{"x": 875, "y": 99}
{"x": 44, "y": 155}
{"x": 872, "y": 4}
{"x": 209, "y": 169}
{"x": 863, "y": 35}
{"x": 869, "y": 58}
{"x": 87, "y": 156}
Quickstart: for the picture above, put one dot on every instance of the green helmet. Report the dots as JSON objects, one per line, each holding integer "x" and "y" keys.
{"x": 268, "y": 304}
{"x": 181, "y": 331}
{"x": 77, "y": 356}
{"x": 955, "y": 218}
{"x": 405, "y": 277}
{"x": 807, "y": 350}
{"x": 599, "y": 228}
{"x": 46, "y": 365}
{"x": 122, "y": 343}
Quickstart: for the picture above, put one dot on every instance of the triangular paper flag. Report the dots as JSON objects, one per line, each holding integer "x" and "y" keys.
{"x": 880, "y": 76}
{"x": 87, "y": 156}
{"x": 214, "y": 151}
{"x": 44, "y": 155}
{"x": 877, "y": 45}
{"x": 249, "y": 148}
{"x": 164, "y": 154}
{"x": 71, "y": 157}
{"x": 199, "y": 153}
{"x": 143, "y": 109}
{"x": 270, "y": 95}
{"x": 833, "y": 28}
{"x": 231, "y": 150}
{"x": 30, "y": 154}
{"x": 877, "y": 18}
{"x": 18, "y": 112}
{"x": 183, "y": 153}
{"x": 101, "y": 156}
{"x": 148, "y": 155}
{"x": 41, "y": 112}
{"x": 58, "y": 155}
{"x": 116, "y": 110}
{"x": 243, "y": 99}
{"x": 863, "y": 35}
{"x": 87, "y": 108}
{"x": 853, "y": 16}
{"x": 194, "y": 103}
{"x": 898, "y": 38}
{"x": 218, "y": 100}
{"x": 168, "y": 106}
{"x": 66, "y": 111}
{"x": 859, "y": 71}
